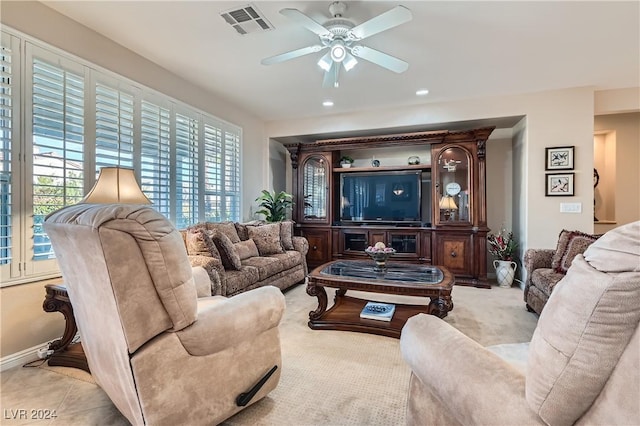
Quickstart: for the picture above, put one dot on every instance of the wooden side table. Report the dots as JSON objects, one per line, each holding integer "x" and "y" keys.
{"x": 65, "y": 353}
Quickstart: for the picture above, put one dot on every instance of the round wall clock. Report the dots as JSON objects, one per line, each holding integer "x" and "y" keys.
{"x": 452, "y": 188}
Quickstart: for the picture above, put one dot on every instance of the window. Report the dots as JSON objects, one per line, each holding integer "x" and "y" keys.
{"x": 8, "y": 88}
{"x": 155, "y": 160}
{"x": 78, "y": 119}
{"x": 58, "y": 146}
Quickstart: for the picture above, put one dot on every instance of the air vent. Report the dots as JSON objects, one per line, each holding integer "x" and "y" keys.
{"x": 247, "y": 19}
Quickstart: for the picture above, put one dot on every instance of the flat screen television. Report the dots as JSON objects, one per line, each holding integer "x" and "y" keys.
{"x": 380, "y": 197}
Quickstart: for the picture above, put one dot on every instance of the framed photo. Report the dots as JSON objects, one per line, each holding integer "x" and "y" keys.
{"x": 559, "y": 158}
{"x": 559, "y": 184}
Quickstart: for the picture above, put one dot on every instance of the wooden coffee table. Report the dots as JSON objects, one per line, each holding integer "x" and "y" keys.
{"x": 405, "y": 279}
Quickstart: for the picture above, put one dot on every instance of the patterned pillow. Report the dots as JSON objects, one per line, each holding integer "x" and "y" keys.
{"x": 246, "y": 249}
{"x": 267, "y": 238}
{"x": 570, "y": 244}
{"x": 199, "y": 243}
{"x": 226, "y": 228}
{"x": 228, "y": 253}
{"x": 286, "y": 234}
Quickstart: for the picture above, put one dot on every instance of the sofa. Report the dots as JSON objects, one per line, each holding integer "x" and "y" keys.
{"x": 546, "y": 267}
{"x": 161, "y": 354}
{"x": 583, "y": 361}
{"x": 240, "y": 257}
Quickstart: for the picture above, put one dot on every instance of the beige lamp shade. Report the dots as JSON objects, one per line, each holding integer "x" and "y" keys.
{"x": 447, "y": 203}
{"x": 116, "y": 185}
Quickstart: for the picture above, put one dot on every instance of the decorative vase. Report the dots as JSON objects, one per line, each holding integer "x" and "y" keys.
{"x": 380, "y": 258}
{"x": 345, "y": 165}
{"x": 505, "y": 272}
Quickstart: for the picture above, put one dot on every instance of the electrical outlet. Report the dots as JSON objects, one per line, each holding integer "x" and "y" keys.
{"x": 44, "y": 352}
{"x": 570, "y": 207}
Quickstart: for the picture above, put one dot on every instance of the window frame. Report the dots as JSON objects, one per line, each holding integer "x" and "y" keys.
{"x": 22, "y": 267}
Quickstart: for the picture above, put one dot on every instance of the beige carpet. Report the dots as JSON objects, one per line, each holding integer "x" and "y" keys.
{"x": 345, "y": 378}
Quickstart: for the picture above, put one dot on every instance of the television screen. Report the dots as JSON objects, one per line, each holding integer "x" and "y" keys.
{"x": 380, "y": 196}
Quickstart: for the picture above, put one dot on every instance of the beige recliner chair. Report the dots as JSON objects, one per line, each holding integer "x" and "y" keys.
{"x": 584, "y": 358}
{"x": 162, "y": 355}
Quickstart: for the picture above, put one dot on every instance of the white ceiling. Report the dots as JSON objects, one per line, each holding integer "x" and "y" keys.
{"x": 457, "y": 50}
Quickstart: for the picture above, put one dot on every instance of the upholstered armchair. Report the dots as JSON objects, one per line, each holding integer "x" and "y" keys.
{"x": 546, "y": 267}
{"x": 583, "y": 363}
{"x": 163, "y": 355}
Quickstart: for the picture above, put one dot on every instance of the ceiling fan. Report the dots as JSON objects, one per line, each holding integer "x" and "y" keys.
{"x": 342, "y": 37}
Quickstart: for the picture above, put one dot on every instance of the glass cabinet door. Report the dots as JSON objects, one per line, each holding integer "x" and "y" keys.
{"x": 315, "y": 186}
{"x": 453, "y": 188}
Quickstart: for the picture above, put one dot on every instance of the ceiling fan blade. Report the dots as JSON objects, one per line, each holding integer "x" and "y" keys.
{"x": 379, "y": 58}
{"x": 389, "y": 19}
{"x": 292, "y": 54}
{"x": 331, "y": 76}
{"x": 307, "y": 22}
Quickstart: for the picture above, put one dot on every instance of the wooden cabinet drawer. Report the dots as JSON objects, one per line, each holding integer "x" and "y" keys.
{"x": 319, "y": 246}
{"x": 454, "y": 253}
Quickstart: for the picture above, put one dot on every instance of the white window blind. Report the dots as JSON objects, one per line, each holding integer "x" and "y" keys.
{"x": 155, "y": 162}
{"x": 6, "y": 134}
{"x": 186, "y": 183}
{"x": 58, "y": 151}
{"x": 79, "y": 118}
{"x": 213, "y": 165}
{"x": 114, "y": 127}
{"x": 232, "y": 175}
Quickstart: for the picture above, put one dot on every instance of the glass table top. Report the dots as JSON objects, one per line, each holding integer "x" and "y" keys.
{"x": 395, "y": 272}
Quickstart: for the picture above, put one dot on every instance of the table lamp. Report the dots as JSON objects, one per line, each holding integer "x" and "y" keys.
{"x": 116, "y": 185}
{"x": 447, "y": 204}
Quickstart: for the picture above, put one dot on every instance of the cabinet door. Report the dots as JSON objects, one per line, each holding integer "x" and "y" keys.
{"x": 454, "y": 253}
{"x": 354, "y": 241}
{"x": 315, "y": 180}
{"x": 453, "y": 198}
{"x": 319, "y": 246}
{"x": 406, "y": 244}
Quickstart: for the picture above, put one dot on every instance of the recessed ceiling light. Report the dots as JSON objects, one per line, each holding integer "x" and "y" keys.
{"x": 327, "y": 103}
{"x": 422, "y": 92}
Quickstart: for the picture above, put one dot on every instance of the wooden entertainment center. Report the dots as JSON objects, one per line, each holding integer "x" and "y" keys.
{"x": 452, "y": 226}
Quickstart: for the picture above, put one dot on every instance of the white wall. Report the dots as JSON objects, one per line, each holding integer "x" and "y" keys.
{"x": 554, "y": 118}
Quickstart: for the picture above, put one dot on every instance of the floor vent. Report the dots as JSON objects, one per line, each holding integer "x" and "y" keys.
{"x": 246, "y": 19}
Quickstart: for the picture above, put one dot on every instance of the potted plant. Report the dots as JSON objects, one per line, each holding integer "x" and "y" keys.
{"x": 346, "y": 161}
{"x": 274, "y": 206}
{"x": 503, "y": 246}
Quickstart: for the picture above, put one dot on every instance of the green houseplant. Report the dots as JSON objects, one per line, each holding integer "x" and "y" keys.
{"x": 274, "y": 206}
{"x": 346, "y": 161}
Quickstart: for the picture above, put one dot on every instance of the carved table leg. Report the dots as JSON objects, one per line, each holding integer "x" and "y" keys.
{"x": 319, "y": 292}
{"x": 440, "y": 306}
{"x": 65, "y": 353}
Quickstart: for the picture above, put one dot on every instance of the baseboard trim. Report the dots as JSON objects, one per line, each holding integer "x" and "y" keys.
{"x": 22, "y": 357}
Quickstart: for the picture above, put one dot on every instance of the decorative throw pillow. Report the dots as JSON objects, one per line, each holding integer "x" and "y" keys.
{"x": 226, "y": 228}
{"x": 246, "y": 249}
{"x": 241, "y": 229}
{"x": 267, "y": 238}
{"x": 286, "y": 234}
{"x": 199, "y": 243}
{"x": 228, "y": 253}
{"x": 570, "y": 244}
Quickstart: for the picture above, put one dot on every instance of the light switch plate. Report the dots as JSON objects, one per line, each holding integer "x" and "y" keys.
{"x": 570, "y": 207}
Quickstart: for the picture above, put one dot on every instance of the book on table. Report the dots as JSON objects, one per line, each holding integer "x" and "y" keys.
{"x": 378, "y": 311}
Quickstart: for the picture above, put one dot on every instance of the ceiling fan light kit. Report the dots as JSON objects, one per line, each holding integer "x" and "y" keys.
{"x": 339, "y": 35}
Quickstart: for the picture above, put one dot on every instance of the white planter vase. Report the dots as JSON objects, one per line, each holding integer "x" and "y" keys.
{"x": 345, "y": 165}
{"x": 505, "y": 272}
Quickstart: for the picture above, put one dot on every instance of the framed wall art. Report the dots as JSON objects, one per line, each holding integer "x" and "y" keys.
{"x": 559, "y": 184}
{"x": 559, "y": 158}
